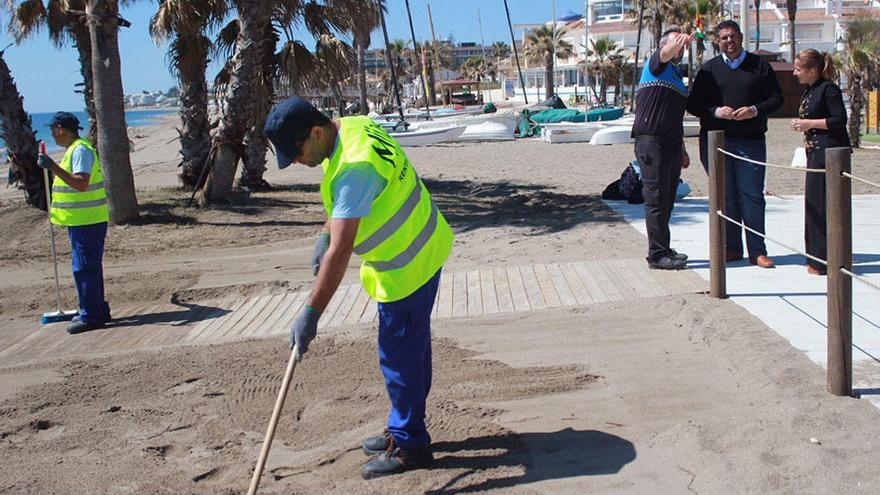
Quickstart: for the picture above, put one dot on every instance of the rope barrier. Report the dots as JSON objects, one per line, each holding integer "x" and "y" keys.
{"x": 860, "y": 278}
{"x": 853, "y": 177}
{"x": 817, "y": 260}
{"x": 764, "y": 164}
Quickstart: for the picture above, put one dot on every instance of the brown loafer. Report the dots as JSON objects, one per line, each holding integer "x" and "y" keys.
{"x": 732, "y": 256}
{"x": 763, "y": 261}
{"x": 815, "y": 271}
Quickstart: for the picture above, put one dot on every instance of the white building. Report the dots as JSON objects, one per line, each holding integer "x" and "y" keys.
{"x": 819, "y": 24}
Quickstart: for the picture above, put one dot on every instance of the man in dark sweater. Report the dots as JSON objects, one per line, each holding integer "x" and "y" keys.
{"x": 661, "y": 100}
{"x": 735, "y": 92}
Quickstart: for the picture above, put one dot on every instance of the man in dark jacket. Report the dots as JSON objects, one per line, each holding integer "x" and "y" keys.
{"x": 735, "y": 92}
{"x": 661, "y": 100}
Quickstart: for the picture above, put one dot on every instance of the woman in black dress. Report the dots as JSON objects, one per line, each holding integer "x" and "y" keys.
{"x": 822, "y": 119}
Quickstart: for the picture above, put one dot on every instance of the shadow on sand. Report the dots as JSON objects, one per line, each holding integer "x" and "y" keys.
{"x": 542, "y": 456}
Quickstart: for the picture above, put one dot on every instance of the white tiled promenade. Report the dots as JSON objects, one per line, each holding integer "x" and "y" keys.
{"x": 787, "y": 299}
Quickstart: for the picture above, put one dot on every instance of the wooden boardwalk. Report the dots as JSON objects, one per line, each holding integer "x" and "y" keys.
{"x": 472, "y": 293}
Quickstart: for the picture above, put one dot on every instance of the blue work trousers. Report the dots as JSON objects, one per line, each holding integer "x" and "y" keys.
{"x": 743, "y": 191}
{"x": 87, "y": 257}
{"x": 405, "y": 360}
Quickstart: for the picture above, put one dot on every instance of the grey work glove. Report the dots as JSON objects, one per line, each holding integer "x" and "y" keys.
{"x": 45, "y": 162}
{"x": 320, "y": 249}
{"x": 304, "y": 330}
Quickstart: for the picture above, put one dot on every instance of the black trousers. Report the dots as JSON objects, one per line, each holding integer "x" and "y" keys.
{"x": 660, "y": 162}
{"x": 815, "y": 228}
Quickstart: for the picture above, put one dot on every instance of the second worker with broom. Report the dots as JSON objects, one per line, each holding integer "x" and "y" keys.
{"x": 378, "y": 208}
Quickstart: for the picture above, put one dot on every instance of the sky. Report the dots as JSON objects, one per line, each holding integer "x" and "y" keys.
{"x": 46, "y": 75}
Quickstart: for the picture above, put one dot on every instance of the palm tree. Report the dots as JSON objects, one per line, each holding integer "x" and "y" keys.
{"x": 684, "y": 15}
{"x": 16, "y": 131}
{"x": 237, "y": 112}
{"x": 500, "y": 50}
{"x": 791, "y": 8}
{"x": 606, "y": 65}
{"x": 475, "y": 68}
{"x": 656, "y": 11}
{"x": 185, "y": 22}
{"x": 860, "y": 63}
{"x": 438, "y": 56}
{"x": 542, "y": 46}
{"x": 361, "y": 18}
{"x": 336, "y": 63}
{"x": 30, "y": 15}
{"x": 290, "y": 65}
{"x": 104, "y": 23}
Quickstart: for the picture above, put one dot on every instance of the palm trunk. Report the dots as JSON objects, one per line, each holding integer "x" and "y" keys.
{"x": 362, "y": 74}
{"x": 237, "y": 112}
{"x": 255, "y": 141}
{"x": 548, "y": 79}
{"x": 16, "y": 131}
{"x": 432, "y": 91}
{"x": 856, "y": 103}
{"x": 195, "y": 136}
{"x": 84, "y": 50}
{"x": 110, "y": 111}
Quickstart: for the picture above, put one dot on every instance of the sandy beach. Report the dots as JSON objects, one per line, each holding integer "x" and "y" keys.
{"x": 669, "y": 394}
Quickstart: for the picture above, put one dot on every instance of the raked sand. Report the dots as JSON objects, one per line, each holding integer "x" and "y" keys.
{"x": 674, "y": 393}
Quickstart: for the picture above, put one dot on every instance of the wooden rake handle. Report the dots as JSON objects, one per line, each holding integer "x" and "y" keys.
{"x": 273, "y": 423}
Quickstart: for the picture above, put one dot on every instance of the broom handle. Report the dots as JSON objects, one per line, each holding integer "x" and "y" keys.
{"x": 52, "y": 235}
{"x": 270, "y": 432}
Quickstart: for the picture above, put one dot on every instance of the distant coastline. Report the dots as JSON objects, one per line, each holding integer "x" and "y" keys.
{"x": 141, "y": 116}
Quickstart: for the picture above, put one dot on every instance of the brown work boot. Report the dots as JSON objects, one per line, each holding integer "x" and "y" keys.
{"x": 763, "y": 261}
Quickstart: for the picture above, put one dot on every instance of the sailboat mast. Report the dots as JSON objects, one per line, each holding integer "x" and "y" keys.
{"x": 415, "y": 48}
{"x": 522, "y": 80}
{"x": 390, "y": 61}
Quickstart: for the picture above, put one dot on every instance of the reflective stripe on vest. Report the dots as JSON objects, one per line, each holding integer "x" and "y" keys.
{"x": 412, "y": 250}
{"x": 404, "y": 240}
{"x": 393, "y": 223}
{"x": 68, "y": 189}
{"x": 73, "y": 208}
{"x": 80, "y": 204}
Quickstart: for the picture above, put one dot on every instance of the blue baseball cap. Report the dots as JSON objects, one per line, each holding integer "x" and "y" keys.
{"x": 66, "y": 120}
{"x": 288, "y": 126}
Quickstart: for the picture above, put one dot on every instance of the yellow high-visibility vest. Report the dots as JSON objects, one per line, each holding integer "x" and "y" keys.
{"x": 404, "y": 240}
{"x": 73, "y": 208}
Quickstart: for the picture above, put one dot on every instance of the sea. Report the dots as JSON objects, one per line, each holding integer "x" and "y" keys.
{"x": 134, "y": 118}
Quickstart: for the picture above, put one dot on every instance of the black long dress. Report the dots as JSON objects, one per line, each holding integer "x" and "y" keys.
{"x": 822, "y": 100}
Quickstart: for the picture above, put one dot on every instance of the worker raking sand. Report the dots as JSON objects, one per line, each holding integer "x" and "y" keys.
{"x": 378, "y": 208}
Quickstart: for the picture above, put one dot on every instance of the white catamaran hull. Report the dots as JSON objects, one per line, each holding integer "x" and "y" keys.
{"x": 485, "y": 127}
{"x": 570, "y": 132}
{"x": 425, "y": 137}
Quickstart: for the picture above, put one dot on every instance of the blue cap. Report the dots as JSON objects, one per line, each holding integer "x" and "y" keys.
{"x": 66, "y": 120}
{"x": 289, "y": 124}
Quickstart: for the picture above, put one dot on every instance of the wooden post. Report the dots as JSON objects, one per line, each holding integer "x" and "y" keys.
{"x": 717, "y": 225}
{"x": 838, "y": 209}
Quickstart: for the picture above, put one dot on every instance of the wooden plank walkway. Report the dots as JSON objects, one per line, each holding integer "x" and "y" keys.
{"x": 471, "y": 293}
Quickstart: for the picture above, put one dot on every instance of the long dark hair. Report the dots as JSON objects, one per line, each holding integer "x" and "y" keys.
{"x": 813, "y": 59}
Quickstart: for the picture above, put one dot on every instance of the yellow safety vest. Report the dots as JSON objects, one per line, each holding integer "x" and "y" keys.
{"x": 404, "y": 240}
{"x": 72, "y": 208}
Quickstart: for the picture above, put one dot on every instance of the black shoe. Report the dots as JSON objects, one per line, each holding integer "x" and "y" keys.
{"x": 677, "y": 256}
{"x": 397, "y": 460}
{"x": 667, "y": 263}
{"x": 83, "y": 326}
{"x": 376, "y": 445}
